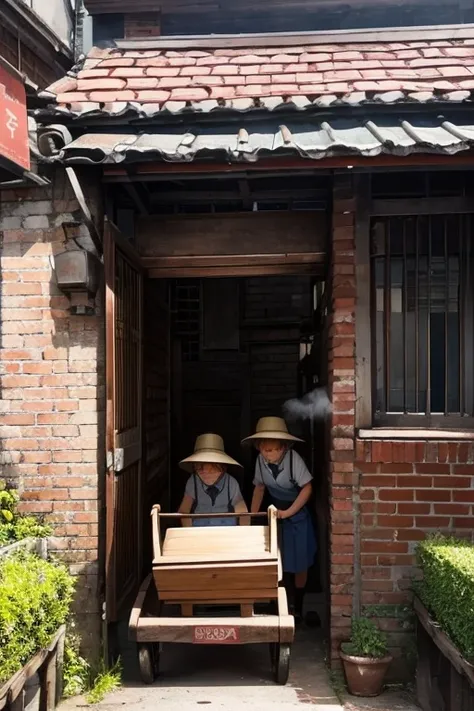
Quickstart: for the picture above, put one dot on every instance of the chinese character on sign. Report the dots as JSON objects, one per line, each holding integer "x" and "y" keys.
{"x": 12, "y": 122}
{"x": 14, "y": 143}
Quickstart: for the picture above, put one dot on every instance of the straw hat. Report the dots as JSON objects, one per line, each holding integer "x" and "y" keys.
{"x": 272, "y": 428}
{"x": 208, "y": 449}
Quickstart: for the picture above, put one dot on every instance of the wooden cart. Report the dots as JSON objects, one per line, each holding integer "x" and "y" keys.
{"x": 196, "y": 567}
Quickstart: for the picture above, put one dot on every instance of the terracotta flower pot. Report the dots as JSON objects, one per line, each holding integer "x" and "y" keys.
{"x": 365, "y": 675}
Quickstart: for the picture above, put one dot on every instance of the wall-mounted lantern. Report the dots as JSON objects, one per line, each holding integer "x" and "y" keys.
{"x": 78, "y": 271}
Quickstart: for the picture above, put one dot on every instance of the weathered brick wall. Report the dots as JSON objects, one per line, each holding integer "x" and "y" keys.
{"x": 385, "y": 496}
{"x": 52, "y": 396}
{"x": 341, "y": 354}
{"x": 407, "y": 490}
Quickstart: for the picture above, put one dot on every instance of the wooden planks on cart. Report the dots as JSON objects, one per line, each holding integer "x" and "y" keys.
{"x": 231, "y": 542}
{"x": 147, "y": 627}
{"x": 217, "y": 582}
{"x": 225, "y": 564}
{"x": 251, "y": 630}
{"x": 236, "y": 576}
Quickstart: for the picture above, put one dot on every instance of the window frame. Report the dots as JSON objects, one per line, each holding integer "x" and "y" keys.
{"x": 366, "y": 210}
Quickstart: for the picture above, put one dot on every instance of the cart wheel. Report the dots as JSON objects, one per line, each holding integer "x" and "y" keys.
{"x": 147, "y": 661}
{"x": 282, "y": 663}
{"x": 273, "y": 649}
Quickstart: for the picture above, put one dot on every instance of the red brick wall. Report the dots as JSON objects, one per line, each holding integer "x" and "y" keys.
{"x": 142, "y": 24}
{"x": 408, "y": 490}
{"x": 341, "y": 347}
{"x": 385, "y": 496}
{"x": 51, "y": 367}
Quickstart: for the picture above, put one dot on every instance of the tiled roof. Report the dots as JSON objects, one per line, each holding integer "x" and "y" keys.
{"x": 116, "y": 81}
{"x": 249, "y": 140}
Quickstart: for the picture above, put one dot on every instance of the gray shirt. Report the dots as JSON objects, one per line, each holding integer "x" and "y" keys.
{"x": 282, "y": 487}
{"x": 228, "y": 493}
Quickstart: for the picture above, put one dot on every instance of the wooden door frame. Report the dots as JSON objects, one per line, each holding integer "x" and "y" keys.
{"x": 113, "y": 239}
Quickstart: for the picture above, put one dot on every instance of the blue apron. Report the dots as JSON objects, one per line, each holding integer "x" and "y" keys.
{"x": 297, "y": 536}
{"x": 213, "y": 521}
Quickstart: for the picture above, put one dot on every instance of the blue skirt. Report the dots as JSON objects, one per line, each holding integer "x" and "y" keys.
{"x": 298, "y": 542}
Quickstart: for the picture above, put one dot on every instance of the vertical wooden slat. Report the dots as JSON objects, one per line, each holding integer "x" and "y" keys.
{"x": 417, "y": 320}
{"x": 387, "y": 314}
{"x": 462, "y": 266}
{"x": 109, "y": 269}
{"x": 364, "y": 380}
{"x": 123, "y": 385}
{"x": 467, "y": 322}
{"x": 404, "y": 312}
{"x": 428, "y": 325}
{"x": 446, "y": 317}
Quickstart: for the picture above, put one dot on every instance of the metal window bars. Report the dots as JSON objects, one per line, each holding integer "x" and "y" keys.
{"x": 422, "y": 310}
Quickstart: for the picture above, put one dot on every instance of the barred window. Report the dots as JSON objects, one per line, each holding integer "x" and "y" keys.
{"x": 422, "y": 306}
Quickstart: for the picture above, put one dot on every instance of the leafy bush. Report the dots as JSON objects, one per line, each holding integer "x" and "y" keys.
{"x": 35, "y": 597}
{"x": 13, "y": 526}
{"x": 366, "y": 639}
{"x": 447, "y": 588}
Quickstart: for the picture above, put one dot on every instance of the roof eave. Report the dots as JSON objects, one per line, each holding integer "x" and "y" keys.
{"x": 37, "y": 25}
{"x": 276, "y": 39}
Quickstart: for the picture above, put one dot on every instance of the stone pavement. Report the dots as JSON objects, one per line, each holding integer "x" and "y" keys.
{"x": 234, "y": 679}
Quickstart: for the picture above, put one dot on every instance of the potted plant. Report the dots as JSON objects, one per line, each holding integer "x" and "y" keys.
{"x": 365, "y": 658}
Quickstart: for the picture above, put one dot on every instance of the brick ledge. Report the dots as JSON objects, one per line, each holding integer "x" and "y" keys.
{"x": 415, "y": 434}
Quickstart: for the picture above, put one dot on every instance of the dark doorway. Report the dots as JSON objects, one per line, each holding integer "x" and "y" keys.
{"x": 239, "y": 344}
{"x": 240, "y": 348}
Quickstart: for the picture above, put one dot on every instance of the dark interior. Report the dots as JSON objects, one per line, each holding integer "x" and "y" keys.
{"x": 238, "y": 349}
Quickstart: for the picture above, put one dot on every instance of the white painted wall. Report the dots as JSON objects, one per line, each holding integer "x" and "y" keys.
{"x": 57, "y": 14}
{"x": 87, "y": 42}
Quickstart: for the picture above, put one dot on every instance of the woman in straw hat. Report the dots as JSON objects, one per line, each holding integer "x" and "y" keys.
{"x": 283, "y": 473}
{"x": 210, "y": 489}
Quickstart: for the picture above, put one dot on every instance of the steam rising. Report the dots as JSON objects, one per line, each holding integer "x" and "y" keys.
{"x": 312, "y": 406}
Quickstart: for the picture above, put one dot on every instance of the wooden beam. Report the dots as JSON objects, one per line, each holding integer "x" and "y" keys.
{"x": 134, "y": 194}
{"x": 363, "y": 412}
{"x": 279, "y": 39}
{"x": 190, "y": 7}
{"x": 213, "y": 196}
{"x": 351, "y": 162}
{"x": 245, "y": 194}
{"x": 422, "y": 206}
{"x": 86, "y": 213}
{"x": 250, "y": 271}
{"x": 240, "y": 260}
{"x": 232, "y": 234}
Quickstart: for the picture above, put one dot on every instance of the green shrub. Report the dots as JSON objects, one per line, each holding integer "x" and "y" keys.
{"x": 35, "y": 597}
{"x": 14, "y": 526}
{"x": 447, "y": 588}
{"x": 366, "y": 639}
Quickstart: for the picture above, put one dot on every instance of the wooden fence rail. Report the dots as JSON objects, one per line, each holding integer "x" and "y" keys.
{"x": 444, "y": 679}
{"x": 38, "y": 685}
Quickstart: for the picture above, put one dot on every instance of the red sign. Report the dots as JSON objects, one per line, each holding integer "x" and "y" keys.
{"x": 216, "y": 635}
{"x": 13, "y": 119}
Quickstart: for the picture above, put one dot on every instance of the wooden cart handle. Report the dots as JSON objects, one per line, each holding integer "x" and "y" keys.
{"x": 214, "y": 515}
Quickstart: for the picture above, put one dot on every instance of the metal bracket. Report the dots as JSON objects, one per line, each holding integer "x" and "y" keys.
{"x": 118, "y": 460}
{"x": 115, "y": 460}
{"x": 95, "y": 237}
